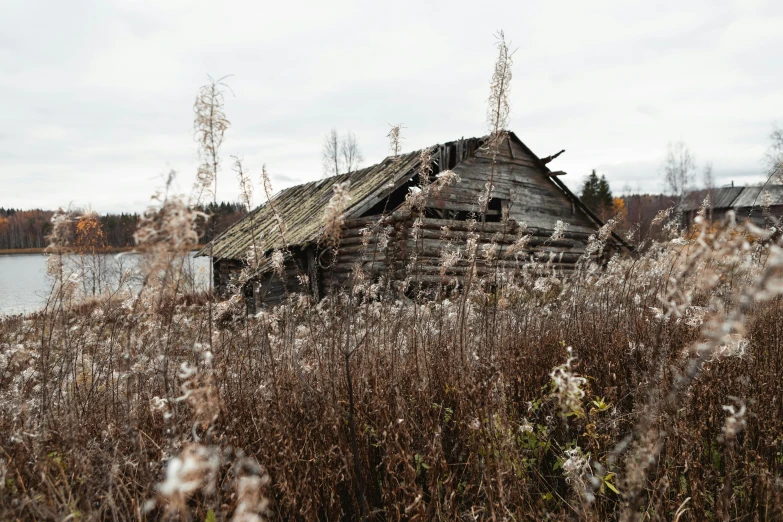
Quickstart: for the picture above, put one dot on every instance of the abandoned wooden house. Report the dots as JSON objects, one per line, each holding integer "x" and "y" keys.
{"x": 525, "y": 192}
{"x": 747, "y": 203}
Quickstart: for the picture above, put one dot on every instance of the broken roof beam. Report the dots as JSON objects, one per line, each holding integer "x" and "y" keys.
{"x": 550, "y": 158}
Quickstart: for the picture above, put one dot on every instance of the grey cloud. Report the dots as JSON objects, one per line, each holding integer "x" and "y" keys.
{"x": 647, "y": 110}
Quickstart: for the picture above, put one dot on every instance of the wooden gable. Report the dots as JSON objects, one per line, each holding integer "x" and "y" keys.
{"x": 522, "y": 184}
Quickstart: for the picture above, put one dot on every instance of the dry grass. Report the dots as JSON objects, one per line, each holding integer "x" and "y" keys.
{"x": 459, "y": 414}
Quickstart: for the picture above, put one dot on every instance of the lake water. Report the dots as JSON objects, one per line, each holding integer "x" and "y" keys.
{"x": 25, "y": 286}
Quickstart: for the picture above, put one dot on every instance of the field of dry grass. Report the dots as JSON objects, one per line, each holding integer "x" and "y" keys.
{"x": 647, "y": 388}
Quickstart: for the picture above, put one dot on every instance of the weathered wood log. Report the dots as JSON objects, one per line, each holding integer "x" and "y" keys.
{"x": 510, "y": 228}
{"x": 377, "y": 267}
{"x": 503, "y": 239}
{"x": 433, "y": 248}
{"x": 391, "y": 218}
{"x": 480, "y": 270}
{"x": 434, "y": 279}
{"x": 501, "y": 262}
{"x": 350, "y": 260}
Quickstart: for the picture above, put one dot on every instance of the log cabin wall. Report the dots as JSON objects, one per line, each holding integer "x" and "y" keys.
{"x": 271, "y": 289}
{"x": 419, "y": 259}
{"x": 223, "y": 271}
{"x": 747, "y": 203}
{"x": 267, "y": 288}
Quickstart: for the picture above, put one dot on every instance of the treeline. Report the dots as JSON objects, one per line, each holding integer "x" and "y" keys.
{"x": 223, "y": 215}
{"x": 23, "y": 229}
{"x": 641, "y": 209}
{"x": 634, "y": 212}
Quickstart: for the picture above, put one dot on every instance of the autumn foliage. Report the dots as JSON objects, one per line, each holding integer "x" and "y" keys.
{"x": 28, "y": 229}
{"x": 90, "y": 236}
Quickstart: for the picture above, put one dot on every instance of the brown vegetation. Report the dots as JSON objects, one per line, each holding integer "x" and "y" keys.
{"x": 462, "y": 408}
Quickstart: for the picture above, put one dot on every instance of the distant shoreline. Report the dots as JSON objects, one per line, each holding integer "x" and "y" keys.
{"x": 107, "y": 250}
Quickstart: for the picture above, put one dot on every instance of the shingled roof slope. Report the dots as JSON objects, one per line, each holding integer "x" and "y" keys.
{"x": 733, "y": 197}
{"x": 301, "y": 209}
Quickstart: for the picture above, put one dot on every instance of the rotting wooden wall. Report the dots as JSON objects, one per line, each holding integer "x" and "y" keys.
{"x": 755, "y": 215}
{"x": 223, "y": 271}
{"x": 424, "y": 253}
{"x": 518, "y": 179}
{"x": 268, "y": 287}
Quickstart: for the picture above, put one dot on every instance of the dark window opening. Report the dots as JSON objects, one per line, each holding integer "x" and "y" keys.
{"x": 447, "y": 213}
{"x": 393, "y": 200}
{"x": 397, "y": 197}
{"x": 494, "y": 210}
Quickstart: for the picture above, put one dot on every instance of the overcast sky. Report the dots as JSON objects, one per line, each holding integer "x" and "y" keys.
{"x": 96, "y": 96}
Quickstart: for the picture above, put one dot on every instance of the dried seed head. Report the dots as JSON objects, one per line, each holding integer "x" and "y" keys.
{"x": 567, "y": 386}
{"x": 395, "y": 141}
{"x": 498, "y": 107}
{"x": 735, "y": 421}
{"x": 559, "y": 232}
{"x": 334, "y": 216}
{"x": 277, "y": 259}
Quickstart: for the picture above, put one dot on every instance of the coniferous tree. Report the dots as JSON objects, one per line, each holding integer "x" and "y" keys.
{"x": 590, "y": 191}
{"x": 597, "y": 195}
{"x": 604, "y": 196}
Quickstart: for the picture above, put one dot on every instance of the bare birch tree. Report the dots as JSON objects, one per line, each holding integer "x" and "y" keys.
{"x": 349, "y": 150}
{"x": 707, "y": 177}
{"x": 340, "y": 154}
{"x": 395, "y": 140}
{"x": 331, "y": 153}
{"x": 679, "y": 168}
{"x": 774, "y": 156}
